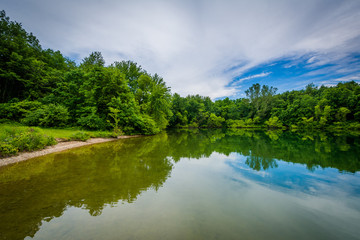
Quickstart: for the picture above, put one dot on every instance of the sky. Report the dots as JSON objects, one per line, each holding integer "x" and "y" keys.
{"x": 215, "y": 48}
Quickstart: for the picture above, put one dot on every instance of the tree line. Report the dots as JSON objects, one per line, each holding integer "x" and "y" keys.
{"x": 41, "y": 87}
{"x": 309, "y": 108}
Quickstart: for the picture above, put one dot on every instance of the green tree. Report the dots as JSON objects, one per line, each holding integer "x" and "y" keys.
{"x": 95, "y": 59}
{"x": 261, "y": 100}
{"x": 341, "y": 115}
{"x": 274, "y": 122}
{"x": 214, "y": 121}
{"x": 132, "y": 73}
{"x": 115, "y": 120}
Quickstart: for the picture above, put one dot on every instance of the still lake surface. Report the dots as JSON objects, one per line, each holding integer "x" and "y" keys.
{"x": 189, "y": 185}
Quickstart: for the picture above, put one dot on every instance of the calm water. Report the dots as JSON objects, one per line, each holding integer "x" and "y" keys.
{"x": 189, "y": 185}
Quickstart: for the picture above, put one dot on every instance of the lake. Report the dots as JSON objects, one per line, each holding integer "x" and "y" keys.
{"x": 189, "y": 185}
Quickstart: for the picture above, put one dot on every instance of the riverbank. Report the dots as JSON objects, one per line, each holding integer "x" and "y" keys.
{"x": 60, "y": 146}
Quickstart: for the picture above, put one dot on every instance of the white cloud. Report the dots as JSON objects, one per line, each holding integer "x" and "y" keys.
{"x": 264, "y": 74}
{"x": 192, "y": 43}
{"x": 311, "y": 60}
{"x": 348, "y": 78}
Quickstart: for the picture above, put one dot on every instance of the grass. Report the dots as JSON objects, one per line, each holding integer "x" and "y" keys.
{"x": 15, "y": 138}
{"x": 66, "y": 133}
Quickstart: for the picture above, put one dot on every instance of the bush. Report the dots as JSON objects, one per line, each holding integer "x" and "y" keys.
{"x": 15, "y": 139}
{"x": 91, "y": 120}
{"x": 235, "y": 123}
{"x": 193, "y": 125}
{"x": 215, "y": 121}
{"x": 115, "y": 120}
{"x": 80, "y": 136}
{"x": 103, "y": 134}
{"x": 7, "y": 149}
{"x": 144, "y": 124}
{"x": 17, "y": 110}
{"x": 33, "y": 118}
{"x": 47, "y": 116}
{"x": 31, "y": 140}
{"x": 306, "y": 122}
{"x": 274, "y": 122}
{"x": 354, "y": 125}
{"x": 249, "y": 122}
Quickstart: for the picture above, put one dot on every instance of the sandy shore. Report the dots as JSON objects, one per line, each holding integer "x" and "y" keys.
{"x": 61, "y": 146}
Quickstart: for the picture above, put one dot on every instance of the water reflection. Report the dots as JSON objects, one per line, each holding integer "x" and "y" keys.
{"x": 262, "y": 149}
{"x": 107, "y": 174}
{"x": 88, "y": 178}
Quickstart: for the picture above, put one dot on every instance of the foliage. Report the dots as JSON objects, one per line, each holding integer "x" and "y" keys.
{"x": 305, "y": 109}
{"x": 102, "y": 134}
{"x": 341, "y": 115}
{"x": 26, "y": 70}
{"x": 91, "y": 120}
{"x": 35, "y": 81}
{"x": 80, "y": 136}
{"x": 15, "y": 110}
{"x": 214, "y": 121}
{"x": 7, "y": 149}
{"x": 274, "y": 122}
{"x": 15, "y": 139}
{"x": 235, "y": 123}
{"x": 41, "y": 87}
{"x": 114, "y": 115}
{"x": 261, "y": 100}
{"x": 52, "y": 115}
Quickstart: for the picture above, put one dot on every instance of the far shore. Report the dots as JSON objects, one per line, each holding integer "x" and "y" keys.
{"x": 60, "y": 146}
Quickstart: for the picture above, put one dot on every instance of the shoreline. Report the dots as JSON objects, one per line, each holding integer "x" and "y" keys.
{"x": 60, "y": 146}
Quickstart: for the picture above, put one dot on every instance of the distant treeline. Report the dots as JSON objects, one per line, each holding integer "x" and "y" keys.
{"x": 41, "y": 87}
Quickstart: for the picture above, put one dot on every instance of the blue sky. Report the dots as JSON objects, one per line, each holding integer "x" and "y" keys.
{"x": 296, "y": 72}
{"x": 213, "y": 48}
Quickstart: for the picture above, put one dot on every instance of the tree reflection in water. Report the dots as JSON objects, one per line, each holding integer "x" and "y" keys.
{"x": 106, "y": 174}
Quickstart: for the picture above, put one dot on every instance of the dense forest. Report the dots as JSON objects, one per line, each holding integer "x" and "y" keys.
{"x": 41, "y": 87}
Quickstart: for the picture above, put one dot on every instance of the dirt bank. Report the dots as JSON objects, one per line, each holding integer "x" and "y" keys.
{"x": 61, "y": 146}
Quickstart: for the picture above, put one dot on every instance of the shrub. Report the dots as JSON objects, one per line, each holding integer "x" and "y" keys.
{"x": 7, "y": 149}
{"x": 15, "y": 139}
{"x": 235, "y": 123}
{"x": 31, "y": 140}
{"x": 341, "y": 115}
{"x": 115, "y": 120}
{"x": 354, "y": 125}
{"x": 306, "y": 122}
{"x": 80, "y": 136}
{"x": 33, "y": 118}
{"x": 144, "y": 124}
{"x": 274, "y": 122}
{"x": 103, "y": 134}
{"x": 52, "y": 115}
{"x": 249, "y": 122}
{"x": 17, "y": 110}
{"x": 193, "y": 125}
{"x": 91, "y": 120}
{"x": 215, "y": 121}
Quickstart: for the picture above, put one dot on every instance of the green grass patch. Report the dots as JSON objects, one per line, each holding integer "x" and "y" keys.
{"x": 80, "y": 136}
{"x": 15, "y": 138}
{"x": 74, "y": 133}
